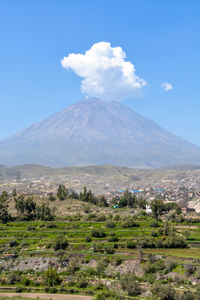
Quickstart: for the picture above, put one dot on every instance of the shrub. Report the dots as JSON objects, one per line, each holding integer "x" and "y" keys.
{"x": 187, "y": 296}
{"x": 130, "y": 244}
{"x": 150, "y": 267}
{"x": 189, "y": 269}
{"x": 175, "y": 241}
{"x": 116, "y": 218}
{"x": 98, "y": 247}
{"x": 129, "y": 284}
{"x": 51, "y": 225}
{"x": 13, "y": 278}
{"x": 60, "y": 243}
{"x": 82, "y": 283}
{"x": 109, "y": 250}
{"x": 165, "y": 292}
{"x": 130, "y": 223}
{"x": 26, "y": 281}
{"x": 154, "y": 224}
{"x": 101, "y": 218}
{"x": 154, "y": 233}
{"x": 98, "y": 233}
{"x": 19, "y": 289}
{"x": 170, "y": 265}
{"x": 73, "y": 267}
{"x": 13, "y": 243}
{"x": 53, "y": 290}
{"x": 110, "y": 224}
{"x": 30, "y": 228}
{"x": 51, "y": 277}
{"x": 117, "y": 260}
{"x": 88, "y": 239}
{"x": 113, "y": 239}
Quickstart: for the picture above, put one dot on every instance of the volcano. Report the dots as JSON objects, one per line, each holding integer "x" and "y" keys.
{"x": 96, "y": 132}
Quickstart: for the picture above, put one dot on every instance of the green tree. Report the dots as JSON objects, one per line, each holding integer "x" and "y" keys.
{"x": 44, "y": 213}
{"x": 157, "y": 207}
{"x": 61, "y": 193}
{"x": 60, "y": 243}
{"x": 4, "y": 214}
{"x": 128, "y": 199}
{"x": 26, "y": 208}
{"x": 51, "y": 277}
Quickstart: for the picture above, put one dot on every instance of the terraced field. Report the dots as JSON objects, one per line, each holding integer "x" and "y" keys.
{"x": 28, "y": 251}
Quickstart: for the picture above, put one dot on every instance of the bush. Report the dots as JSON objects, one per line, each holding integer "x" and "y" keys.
{"x": 154, "y": 224}
{"x": 129, "y": 284}
{"x": 51, "y": 225}
{"x": 117, "y": 260}
{"x": 113, "y": 239}
{"x": 53, "y": 290}
{"x": 26, "y": 281}
{"x": 189, "y": 269}
{"x": 19, "y": 289}
{"x": 30, "y": 228}
{"x": 51, "y": 277}
{"x": 101, "y": 218}
{"x": 60, "y": 243}
{"x": 165, "y": 292}
{"x": 13, "y": 243}
{"x": 98, "y": 247}
{"x": 110, "y": 224}
{"x": 109, "y": 250}
{"x": 169, "y": 266}
{"x": 98, "y": 233}
{"x": 175, "y": 241}
{"x": 82, "y": 283}
{"x": 130, "y": 244}
{"x": 154, "y": 233}
{"x": 151, "y": 268}
{"x": 88, "y": 239}
{"x": 130, "y": 223}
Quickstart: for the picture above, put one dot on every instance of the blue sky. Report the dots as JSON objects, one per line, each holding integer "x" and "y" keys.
{"x": 161, "y": 39}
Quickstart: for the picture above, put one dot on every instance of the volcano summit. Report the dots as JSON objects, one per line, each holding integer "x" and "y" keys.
{"x": 93, "y": 132}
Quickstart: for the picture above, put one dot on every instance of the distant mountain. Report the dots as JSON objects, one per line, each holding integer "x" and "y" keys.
{"x": 182, "y": 167}
{"x": 93, "y": 132}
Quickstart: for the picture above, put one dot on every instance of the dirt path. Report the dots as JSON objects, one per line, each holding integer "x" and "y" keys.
{"x": 48, "y": 296}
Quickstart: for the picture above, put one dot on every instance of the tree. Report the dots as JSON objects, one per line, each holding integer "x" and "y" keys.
{"x": 4, "y": 214}
{"x": 128, "y": 199}
{"x": 14, "y": 192}
{"x": 61, "y": 193}
{"x": 44, "y": 213}
{"x": 88, "y": 196}
{"x": 60, "y": 243}
{"x": 157, "y": 207}
{"x": 165, "y": 292}
{"x": 130, "y": 284}
{"x": 103, "y": 201}
{"x": 51, "y": 277}
{"x": 141, "y": 202}
{"x": 26, "y": 208}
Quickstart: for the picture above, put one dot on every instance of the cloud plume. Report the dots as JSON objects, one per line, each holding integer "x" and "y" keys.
{"x": 105, "y": 73}
{"x": 167, "y": 86}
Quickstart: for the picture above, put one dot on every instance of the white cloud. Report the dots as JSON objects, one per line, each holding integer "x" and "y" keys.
{"x": 167, "y": 86}
{"x": 105, "y": 72}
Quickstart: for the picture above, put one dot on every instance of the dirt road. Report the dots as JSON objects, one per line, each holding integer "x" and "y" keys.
{"x": 48, "y": 296}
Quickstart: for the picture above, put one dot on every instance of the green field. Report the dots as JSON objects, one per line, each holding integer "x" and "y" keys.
{"x": 93, "y": 262}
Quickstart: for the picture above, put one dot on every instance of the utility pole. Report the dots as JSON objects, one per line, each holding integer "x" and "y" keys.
{"x": 18, "y": 176}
